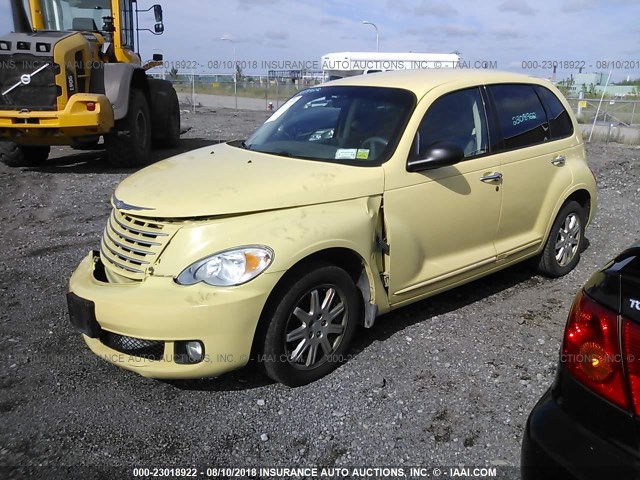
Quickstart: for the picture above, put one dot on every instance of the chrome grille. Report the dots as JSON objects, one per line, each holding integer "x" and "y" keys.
{"x": 132, "y": 244}
{"x": 38, "y": 93}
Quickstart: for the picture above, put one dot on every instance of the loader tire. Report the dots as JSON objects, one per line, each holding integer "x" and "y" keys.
{"x": 14, "y": 155}
{"x": 165, "y": 116}
{"x": 129, "y": 145}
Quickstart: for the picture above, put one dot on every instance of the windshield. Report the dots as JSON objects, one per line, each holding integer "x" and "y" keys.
{"x": 359, "y": 125}
{"x": 81, "y": 15}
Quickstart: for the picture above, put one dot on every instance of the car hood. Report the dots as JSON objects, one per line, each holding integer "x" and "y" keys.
{"x": 226, "y": 180}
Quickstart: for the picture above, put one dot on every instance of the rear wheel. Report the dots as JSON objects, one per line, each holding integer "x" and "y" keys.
{"x": 86, "y": 144}
{"x": 15, "y": 155}
{"x": 166, "y": 115}
{"x": 129, "y": 145}
{"x": 311, "y": 326}
{"x": 562, "y": 251}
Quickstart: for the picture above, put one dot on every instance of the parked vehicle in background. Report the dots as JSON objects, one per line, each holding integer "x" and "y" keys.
{"x": 70, "y": 75}
{"x": 354, "y": 198}
{"x": 586, "y": 425}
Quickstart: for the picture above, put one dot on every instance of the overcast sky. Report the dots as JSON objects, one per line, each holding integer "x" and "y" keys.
{"x": 504, "y": 31}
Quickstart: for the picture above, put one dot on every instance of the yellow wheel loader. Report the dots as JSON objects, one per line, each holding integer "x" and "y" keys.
{"x": 70, "y": 74}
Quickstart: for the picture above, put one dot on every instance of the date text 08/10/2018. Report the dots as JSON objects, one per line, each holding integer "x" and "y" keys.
{"x": 319, "y": 472}
{"x": 580, "y": 64}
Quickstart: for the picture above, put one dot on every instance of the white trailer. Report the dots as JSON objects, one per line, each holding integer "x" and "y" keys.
{"x": 347, "y": 64}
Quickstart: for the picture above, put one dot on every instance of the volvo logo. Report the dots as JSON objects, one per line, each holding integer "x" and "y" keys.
{"x": 25, "y": 79}
{"x": 120, "y": 205}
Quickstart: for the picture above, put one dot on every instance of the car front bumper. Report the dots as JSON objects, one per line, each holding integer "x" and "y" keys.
{"x": 155, "y": 314}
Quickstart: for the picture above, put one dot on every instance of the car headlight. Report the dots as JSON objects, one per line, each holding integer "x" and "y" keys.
{"x": 228, "y": 268}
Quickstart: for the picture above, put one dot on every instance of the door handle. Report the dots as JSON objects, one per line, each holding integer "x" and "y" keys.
{"x": 559, "y": 161}
{"x": 493, "y": 177}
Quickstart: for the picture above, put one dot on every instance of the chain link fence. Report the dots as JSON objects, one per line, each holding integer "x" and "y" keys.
{"x": 617, "y": 111}
{"x": 616, "y": 120}
{"x": 609, "y": 120}
{"x": 199, "y": 90}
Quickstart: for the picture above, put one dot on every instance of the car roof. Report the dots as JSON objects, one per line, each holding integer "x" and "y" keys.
{"x": 421, "y": 81}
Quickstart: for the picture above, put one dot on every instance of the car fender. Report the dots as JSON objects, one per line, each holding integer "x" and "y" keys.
{"x": 294, "y": 234}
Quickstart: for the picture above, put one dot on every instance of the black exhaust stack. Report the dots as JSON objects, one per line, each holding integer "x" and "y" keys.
{"x": 21, "y": 23}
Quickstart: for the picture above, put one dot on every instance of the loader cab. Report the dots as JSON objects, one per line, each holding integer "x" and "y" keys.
{"x": 65, "y": 15}
{"x": 89, "y": 16}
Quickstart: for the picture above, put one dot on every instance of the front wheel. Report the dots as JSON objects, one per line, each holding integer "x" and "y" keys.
{"x": 311, "y": 326}
{"x": 14, "y": 155}
{"x": 562, "y": 251}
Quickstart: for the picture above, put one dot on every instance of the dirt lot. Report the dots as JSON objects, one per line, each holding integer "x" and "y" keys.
{"x": 448, "y": 381}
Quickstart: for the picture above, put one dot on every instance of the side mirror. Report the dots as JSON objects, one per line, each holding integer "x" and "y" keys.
{"x": 440, "y": 154}
{"x": 159, "y": 28}
{"x": 158, "y": 57}
{"x": 157, "y": 11}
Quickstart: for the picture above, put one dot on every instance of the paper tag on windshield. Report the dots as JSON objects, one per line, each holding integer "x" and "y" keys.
{"x": 362, "y": 154}
{"x": 346, "y": 154}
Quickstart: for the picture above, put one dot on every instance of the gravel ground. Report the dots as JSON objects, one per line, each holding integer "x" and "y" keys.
{"x": 448, "y": 381}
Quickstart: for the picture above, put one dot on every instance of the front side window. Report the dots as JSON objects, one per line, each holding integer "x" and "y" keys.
{"x": 80, "y": 15}
{"x": 458, "y": 118}
{"x": 522, "y": 119}
{"x": 354, "y": 125}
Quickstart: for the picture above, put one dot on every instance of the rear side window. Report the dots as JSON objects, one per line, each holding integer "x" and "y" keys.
{"x": 560, "y": 125}
{"x": 523, "y": 120}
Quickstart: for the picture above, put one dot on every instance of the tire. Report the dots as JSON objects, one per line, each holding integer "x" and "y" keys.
{"x": 129, "y": 145}
{"x": 562, "y": 251}
{"x": 14, "y": 155}
{"x": 288, "y": 343}
{"x": 92, "y": 144}
{"x": 166, "y": 114}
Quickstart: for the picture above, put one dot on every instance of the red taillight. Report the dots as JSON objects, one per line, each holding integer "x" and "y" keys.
{"x": 631, "y": 347}
{"x": 590, "y": 350}
{"x": 91, "y": 106}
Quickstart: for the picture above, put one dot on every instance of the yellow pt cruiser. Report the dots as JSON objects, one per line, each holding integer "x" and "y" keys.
{"x": 356, "y": 197}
